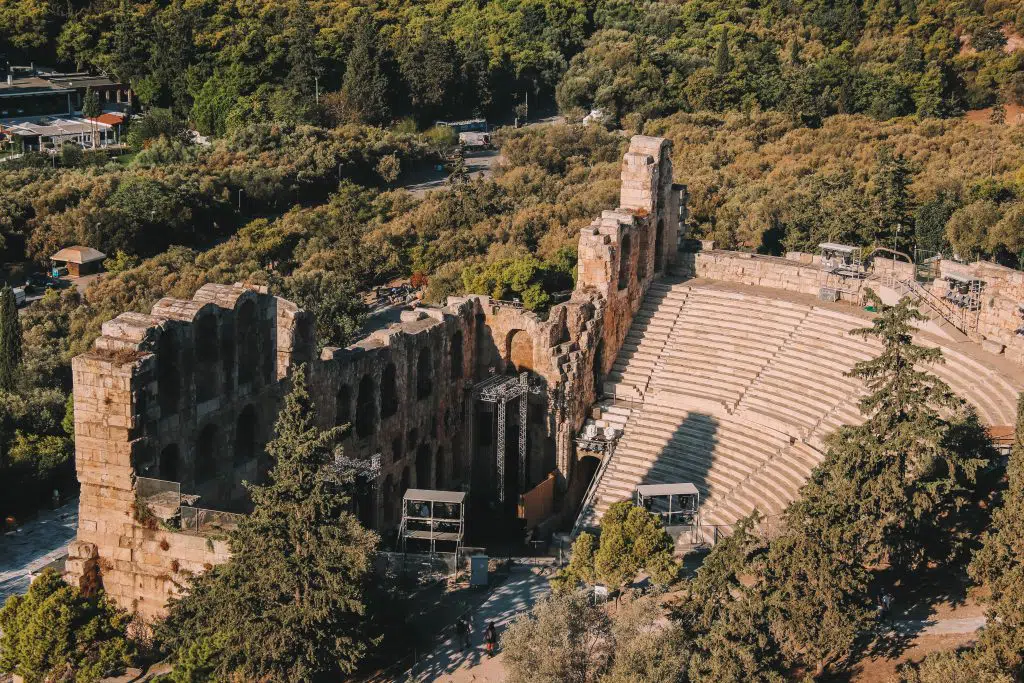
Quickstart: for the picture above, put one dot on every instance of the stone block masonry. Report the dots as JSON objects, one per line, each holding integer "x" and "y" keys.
{"x": 188, "y": 394}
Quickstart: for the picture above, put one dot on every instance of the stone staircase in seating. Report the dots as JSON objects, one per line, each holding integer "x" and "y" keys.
{"x": 736, "y": 391}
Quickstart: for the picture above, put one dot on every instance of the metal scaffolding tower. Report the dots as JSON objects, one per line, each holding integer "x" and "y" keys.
{"x": 501, "y": 389}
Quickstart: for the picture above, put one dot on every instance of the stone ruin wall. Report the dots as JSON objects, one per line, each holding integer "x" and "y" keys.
{"x": 1000, "y": 316}
{"x": 1002, "y": 293}
{"x": 190, "y": 392}
{"x": 185, "y": 393}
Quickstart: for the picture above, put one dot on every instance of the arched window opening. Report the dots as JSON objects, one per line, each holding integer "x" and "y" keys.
{"x": 405, "y": 483}
{"x": 227, "y": 356}
{"x": 659, "y": 242}
{"x": 245, "y": 436}
{"x": 411, "y": 439}
{"x": 248, "y": 343}
{"x": 168, "y": 374}
{"x": 170, "y": 459}
{"x": 624, "y": 257}
{"x": 440, "y": 470}
{"x": 388, "y": 392}
{"x": 424, "y": 375}
{"x": 519, "y": 351}
{"x": 396, "y": 449}
{"x": 641, "y": 261}
{"x": 366, "y": 407}
{"x": 453, "y": 462}
{"x": 388, "y": 502}
{"x": 457, "y": 359}
{"x": 267, "y": 357}
{"x": 423, "y": 467}
{"x": 343, "y": 406}
{"x": 207, "y": 350}
{"x": 206, "y": 454}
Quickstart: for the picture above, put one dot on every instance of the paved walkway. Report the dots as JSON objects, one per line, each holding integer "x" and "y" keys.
{"x": 450, "y": 665}
{"x": 938, "y": 627}
{"x": 34, "y": 545}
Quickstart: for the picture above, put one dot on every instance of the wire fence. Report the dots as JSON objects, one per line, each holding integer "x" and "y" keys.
{"x": 161, "y": 497}
{"x": 208, "y": 522}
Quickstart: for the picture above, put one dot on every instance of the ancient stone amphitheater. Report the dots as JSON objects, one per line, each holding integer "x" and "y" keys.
{"x": 719, "y": 369}
{"x": 734, "y": 387}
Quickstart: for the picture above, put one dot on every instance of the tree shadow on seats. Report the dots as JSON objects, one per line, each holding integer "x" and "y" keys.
{"x": 688, "y": 454}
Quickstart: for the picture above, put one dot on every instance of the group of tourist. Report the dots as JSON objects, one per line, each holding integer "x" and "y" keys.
{"x": 464, "y": 630}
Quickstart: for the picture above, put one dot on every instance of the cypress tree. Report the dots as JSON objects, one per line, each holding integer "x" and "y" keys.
{"x": 91, "y": 110}
{"x": 892, "y": 178}
{"x": 364, "y": 89}
{"x": 302, "y": 53}
{"x": 289, "y": 604}
{"x": 10, "y": 339}
{"x": 723, "y": 60}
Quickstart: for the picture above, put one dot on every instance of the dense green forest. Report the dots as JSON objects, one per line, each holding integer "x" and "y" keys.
{"x": 225, "y": 64}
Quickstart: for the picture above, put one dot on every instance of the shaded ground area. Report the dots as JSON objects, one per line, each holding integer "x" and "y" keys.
{"x": 517, "y": 594}
{"x": 478, "y": 163}
{"x": 33, "y": 546}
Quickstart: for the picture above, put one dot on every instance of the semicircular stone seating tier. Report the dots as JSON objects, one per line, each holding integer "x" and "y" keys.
{"x": 735, "y": 389}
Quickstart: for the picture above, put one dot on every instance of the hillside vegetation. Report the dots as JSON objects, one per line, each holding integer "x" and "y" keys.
{"x": 224, "y": 64}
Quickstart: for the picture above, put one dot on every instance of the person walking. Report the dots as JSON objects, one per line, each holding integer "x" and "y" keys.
{"x": 491, "y": 638}
{"x": 463, "y": 630}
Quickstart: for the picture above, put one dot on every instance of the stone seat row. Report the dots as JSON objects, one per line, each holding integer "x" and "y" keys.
{"x": 741, "y": 391}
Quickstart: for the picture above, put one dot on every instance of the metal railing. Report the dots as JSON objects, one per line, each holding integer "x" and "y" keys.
{"x": 161, "y": 497}
{"x": 588, "y": 497}
{"x": 502, "y": 303}
{"x": 208, "y": 522}
{"x": 953, "y": 315}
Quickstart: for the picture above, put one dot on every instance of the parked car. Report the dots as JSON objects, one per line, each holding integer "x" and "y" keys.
{"x": 19, "y": 296}
{"x": 38, "y": 282}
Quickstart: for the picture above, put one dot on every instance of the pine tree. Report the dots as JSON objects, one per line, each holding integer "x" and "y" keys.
{"x": 289, "y": 604}
{"x": 892, "y": 180}
{"x": 10, "y": 339}
{"x": 999, "y": 565}
{"x": 364, "y": 89}
{"x": 911, "y": 462}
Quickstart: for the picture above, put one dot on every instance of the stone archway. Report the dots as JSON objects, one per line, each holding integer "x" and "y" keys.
{"x": 366, "y": 407}
{"x": 457, "y": 359}
{"x": 424, "y": 375}
{"x": 207, "y": 349}
{"x": 659, "y": 246}
{"x": 170, "y": 463}
{"x": 245, "y": 436}
{"x": 625, "y": 254}
{"x": 343, "y": 406}
{"x": 424, "y": 467}
{"x": 519, "y": 351}
{"x": 388, "y": 392}
{"x": 168, "y": 370}
{"x": 206, "y": 454}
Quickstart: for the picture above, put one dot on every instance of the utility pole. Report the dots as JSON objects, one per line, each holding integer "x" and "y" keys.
{"x": 316, "y": 81}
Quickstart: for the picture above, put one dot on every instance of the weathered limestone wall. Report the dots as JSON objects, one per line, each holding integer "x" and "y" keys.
{"x": 1000, "y": 316}
{"x": 402, "y": 390}
{"x": 997, "y": 321}
{"x": 182, "y": 394}
{"x": 621, "y": 252}
{"x": 189, "y": 393}
{"x": 794, "y": 273}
